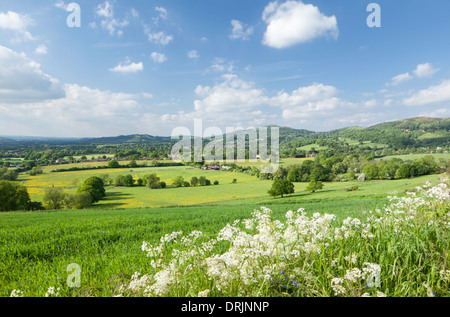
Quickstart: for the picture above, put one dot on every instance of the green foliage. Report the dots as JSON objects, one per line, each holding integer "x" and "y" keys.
{"x": 8, "y": 174}
{"x": 314, "y": 186}
{"x": 178, "y": 182}
{"x": 54, "y": 198}
{"x": 152, "y": 181}
{"x": 78, "y": 201}
{"x": 281, "y": 187}
{"x": 36, "y": 170}
{"x": 95, "y": 187}
{"x": 13, "y": 196}
{"x": 194, "y": 181}
{"x": 113, "y": 164}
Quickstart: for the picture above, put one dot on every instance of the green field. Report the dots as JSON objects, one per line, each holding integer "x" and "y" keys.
{"x": 105, "y": 241}
{"x": 412, "y": 157}
{"x": 37, "y": 247}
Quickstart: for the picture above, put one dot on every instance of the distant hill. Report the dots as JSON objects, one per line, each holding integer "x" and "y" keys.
{"x": 412, "y": 132}
{"x": 124, "y": 139}
{"x": 419, "y": 131}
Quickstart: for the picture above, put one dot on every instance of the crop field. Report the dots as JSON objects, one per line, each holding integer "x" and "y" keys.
{"x": 36, "y": 248}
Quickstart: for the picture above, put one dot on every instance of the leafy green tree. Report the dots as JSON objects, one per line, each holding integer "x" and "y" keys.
{"x": 179, "y": 181}
{"x": 119, "y": 181}
{"x": 194, "y": 181}
{"x": 95, "y": 187}
{"x": 113, "y": 164}
{"x": 36, "y": 170}
{"x": 313, "y": 186}
{"x": 78, "y": 201}
{"x": 54, "y": 198}
{"x": 371, "y": 171}
{"x": 202, "y": 181}
{"x": 294, "y": 175}
{"x": 152, "y": 181}
{"x": 133, "y": 164}
{"x": 128, "y": 181}
{"x": 8, "y": 174}
{"x": 281, "y": 187}
{"x": 13, "y": 196}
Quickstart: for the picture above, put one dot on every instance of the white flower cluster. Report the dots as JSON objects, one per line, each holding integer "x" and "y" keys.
{"x": 252, "y": 255}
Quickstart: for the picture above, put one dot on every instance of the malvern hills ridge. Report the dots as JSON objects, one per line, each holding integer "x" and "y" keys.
{"x": 401, "y": 132}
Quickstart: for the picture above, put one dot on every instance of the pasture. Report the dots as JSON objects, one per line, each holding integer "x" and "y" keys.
{"x": 105, "y": 241}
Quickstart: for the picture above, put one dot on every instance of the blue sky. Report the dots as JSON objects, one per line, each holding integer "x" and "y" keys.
{"x": 151, "y": 66}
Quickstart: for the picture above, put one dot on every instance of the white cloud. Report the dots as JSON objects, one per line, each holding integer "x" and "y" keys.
{"x": 231, "y": 102}
{"x": 162, "y": 12}
{"x": 425, "y": 70}
{"x": 239, "y": 31}
{"x": 158, "y": 57}
{"x": 83, "y": 112}
{"x": 193, "y": 54}
{"x": 160, "y": 38}
{"x": 129, "y": 68}
{"x": 422, "y": 71}
{"x": 109, "y": 22}
{"x": 400, "y": 79}
{"x": 314, "y": 101}
{"x": 221, "y": 65}
{"x": 105, "y": 10}
{"x": 22, "y": 80}
{"x": 433, "y": 95}
{"x": 41, "y": 50}
{"x": 294, "y": 22}
{"x": 17, "y": 23}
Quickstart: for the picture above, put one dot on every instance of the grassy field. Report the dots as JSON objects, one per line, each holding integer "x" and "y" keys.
{"x": 412, "y": 157}
{"x": 36, "y": 248}
{"x": 105, "y": 241}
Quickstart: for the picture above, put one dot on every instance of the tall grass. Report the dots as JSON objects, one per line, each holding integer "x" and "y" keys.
{"x": 400, "y": 250}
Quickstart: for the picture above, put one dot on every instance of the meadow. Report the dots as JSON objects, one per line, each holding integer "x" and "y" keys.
{"x": 106, "y": 241}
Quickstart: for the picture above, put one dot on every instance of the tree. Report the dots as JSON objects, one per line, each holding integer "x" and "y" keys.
{"x": 314, "y": 186}
{"x": 133, "y": 164}
{"x": 119, "y": 181}
{"x": 371, "y": 171}
{"x": 13, "y": 196}
{"x": 281, "y": 187}
{"x": 128, "y": 181}
{"x": 95, "y": 187}
{"x": 152, "y": 181}
{"x": 179, "y": 181}
{"x": 194, "y": 181}
{"x": 78, "y": 201}
{"x": 8, "y": 174}
{"x": 113, "y": 164}
{"x": 202, "y": 181}
{"x": 54, "y": 198}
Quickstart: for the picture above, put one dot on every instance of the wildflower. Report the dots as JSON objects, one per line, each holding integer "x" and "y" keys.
{"x": 51, "y": 292}
{"x": 16, "y": 293}
{"x": 204, "y": 293}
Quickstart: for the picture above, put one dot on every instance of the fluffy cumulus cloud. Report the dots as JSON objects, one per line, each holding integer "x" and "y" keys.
{"x": 22, "y": 80}
{"x": 18, "y": 24}
{"x": 315, "y": 101}
{"x": 108, "y": 20}
{"x": 434, "y": 95}
{"x": 83, "y": 112}
{"x": 230, "y": 102}
{"x": 425, "y": 70}
{"x": 240, "y": 31}
{"x": 294, "y": 22}
{"x": 128, "y": 68}
{"x": 158, "y": 57}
